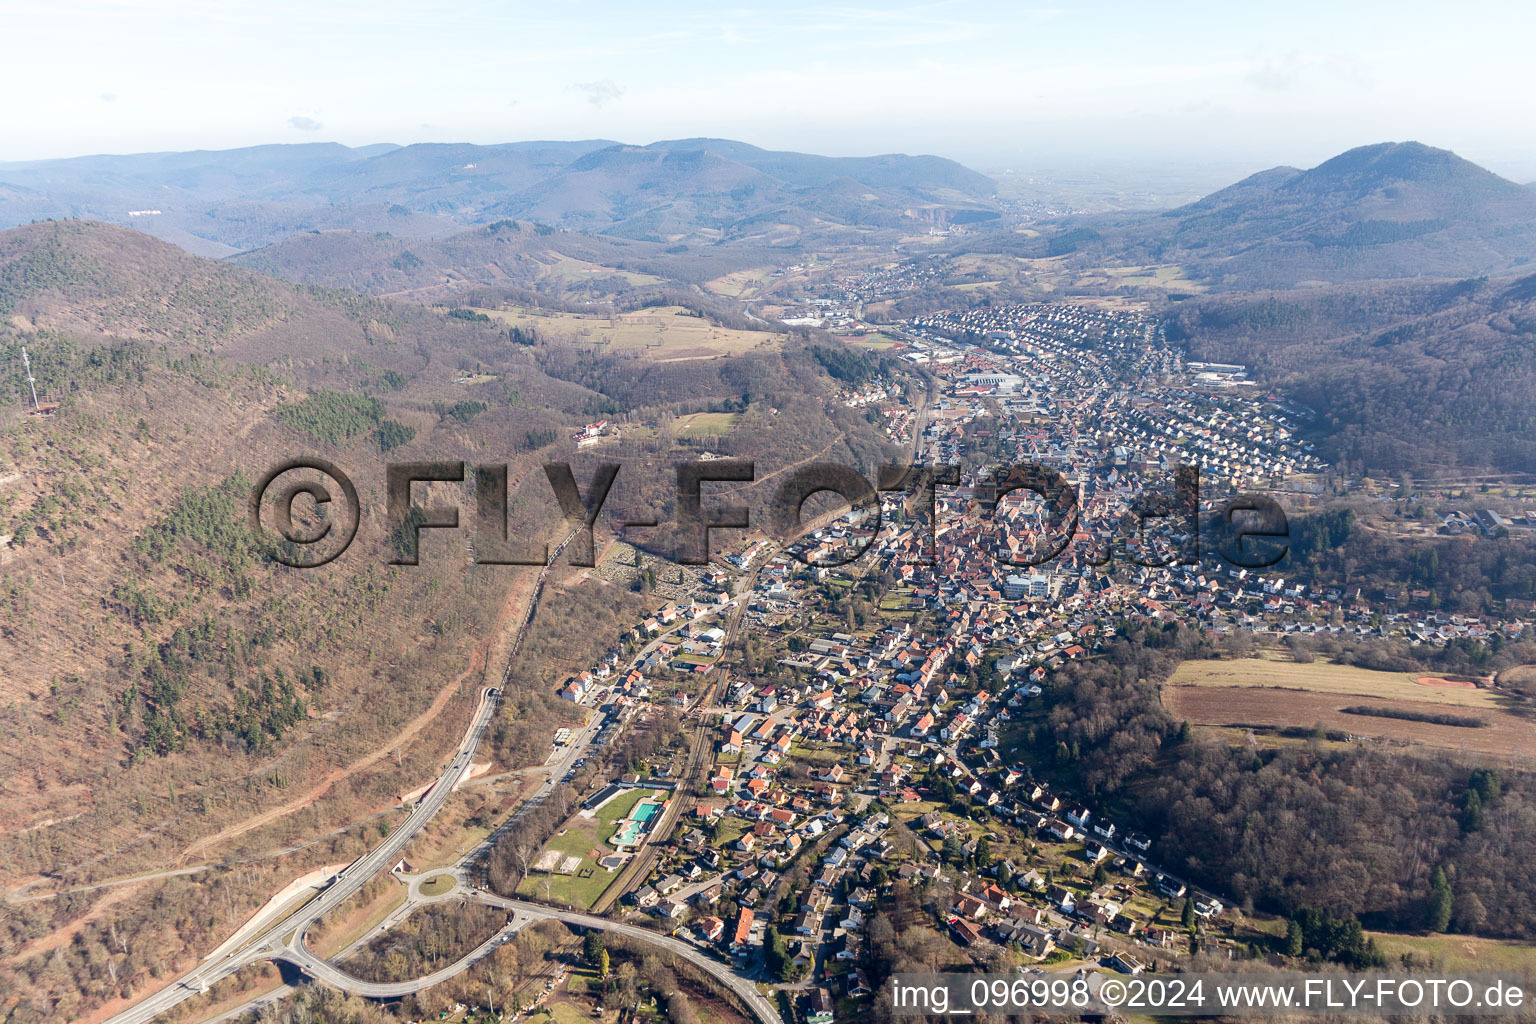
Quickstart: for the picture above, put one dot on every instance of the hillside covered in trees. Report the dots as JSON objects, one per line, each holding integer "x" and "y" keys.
{"x": 1421, "y": 376}
{"x": 1389, "y": 210}
{"x": 202, "y": 684}
{"x": 1353, "y": 831}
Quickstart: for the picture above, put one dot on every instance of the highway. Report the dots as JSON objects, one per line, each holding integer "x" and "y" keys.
{"x": 269, "y": 944}
{"x": 284, "y": 939}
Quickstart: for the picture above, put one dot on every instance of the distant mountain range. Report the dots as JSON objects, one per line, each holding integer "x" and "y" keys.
{"x": 1386, "y": 211}
{"x": 1392, "y": 210}
{"x": 217, "y": 203}
{"x": 505, "y": 254}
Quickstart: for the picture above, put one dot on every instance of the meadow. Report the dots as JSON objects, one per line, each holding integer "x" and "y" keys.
{"x": 664, "y": 333}
{"x": 1275, "y": 695}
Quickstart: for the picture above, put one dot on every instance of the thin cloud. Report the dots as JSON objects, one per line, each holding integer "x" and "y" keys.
{"x": 109, "y": 97}
{"x": 598, "y": 93}
{"x": 1293, "y": 70}
{"x": 304, "y": 124}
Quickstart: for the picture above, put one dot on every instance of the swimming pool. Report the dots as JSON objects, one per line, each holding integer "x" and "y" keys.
{"x": 633, "y": 827}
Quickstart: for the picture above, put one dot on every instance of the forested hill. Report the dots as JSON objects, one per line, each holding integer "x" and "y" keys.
{"x": 1352, "y": 830}
{"x": 190, "y": 659}
{"x": 216, "y": 203}
{"x": 1414, "y": 376}
{"x": 1391, "y": 210}
{"x": 515, "y": 254}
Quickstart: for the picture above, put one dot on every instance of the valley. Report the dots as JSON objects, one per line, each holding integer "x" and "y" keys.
{"x": 949, "y": 729}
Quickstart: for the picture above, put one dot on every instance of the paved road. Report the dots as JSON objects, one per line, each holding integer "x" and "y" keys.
{"x": 524, "y": 914}
{"x": 284, "y": 940}
{"x": 270, "y": 943}
{"x": 321, "y": 970}
{"x": 760, "y": 1006}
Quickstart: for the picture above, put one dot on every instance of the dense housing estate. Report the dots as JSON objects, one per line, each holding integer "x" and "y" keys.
{"x": 848, "y": 757}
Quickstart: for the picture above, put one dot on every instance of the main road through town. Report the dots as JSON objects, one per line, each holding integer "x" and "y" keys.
{"x": 283, "y": 940}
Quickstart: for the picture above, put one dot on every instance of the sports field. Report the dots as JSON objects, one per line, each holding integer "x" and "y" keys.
{"x": 878, "y": 342}
{"x": 579, "y": 844}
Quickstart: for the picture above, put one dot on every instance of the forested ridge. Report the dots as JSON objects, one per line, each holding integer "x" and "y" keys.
{"x": 1405, "y": 376}
{"x": 1376, "y": 212}
{"x": 1339, "y": 548}
{"x": 1353, "y": 830}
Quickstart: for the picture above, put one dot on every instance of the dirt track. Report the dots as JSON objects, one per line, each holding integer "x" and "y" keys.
{"x": 420, "y": 722}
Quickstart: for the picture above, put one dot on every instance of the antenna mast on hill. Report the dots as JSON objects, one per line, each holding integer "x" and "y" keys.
{"x": 31, "y": 382}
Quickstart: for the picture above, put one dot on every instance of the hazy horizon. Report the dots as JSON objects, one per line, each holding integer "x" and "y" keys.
{"x": 990, "y": 85}
{"x": 1164, "y": 182}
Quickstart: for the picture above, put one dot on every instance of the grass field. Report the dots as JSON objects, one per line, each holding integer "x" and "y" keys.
{"x": 1280, "y": 694}
{"x": 561, "y": 1013}
{"x": 580, "y": 837}
{"x": 909, "y": 812}
{"x": 1461, "y": 952}
{"x": 1521, "y": 679}
{"x": 704, "y": 424}
{"x": 665, "y": 333}
{"x": 565, "y": 268}
{"x": 437, "y": 885}
{"x": 358, "y": 920}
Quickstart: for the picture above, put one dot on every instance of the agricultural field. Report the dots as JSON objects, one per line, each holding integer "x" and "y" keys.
{"x": 665, "y": 334}
{"x": 1326, "y": 677}
{"x": 742, "y": 284}
{"x": 1274, "y": 694}
{"x": 1155, "y": 277}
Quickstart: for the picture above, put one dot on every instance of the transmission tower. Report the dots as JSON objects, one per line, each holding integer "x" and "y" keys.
{"x": 31, "y": 381}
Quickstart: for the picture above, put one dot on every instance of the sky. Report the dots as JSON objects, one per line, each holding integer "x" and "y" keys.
{"x": 996, "y": 85}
